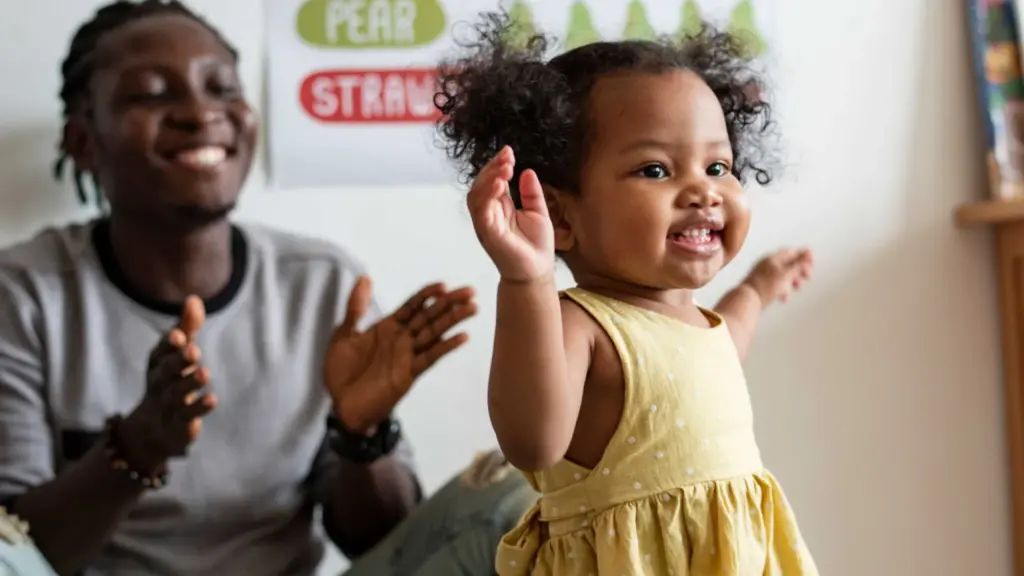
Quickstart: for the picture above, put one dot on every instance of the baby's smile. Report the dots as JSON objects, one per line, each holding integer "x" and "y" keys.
{"x": 701, "y": 236}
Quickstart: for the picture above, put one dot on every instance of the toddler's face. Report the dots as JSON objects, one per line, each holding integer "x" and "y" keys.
{"x": 658, "y": 206}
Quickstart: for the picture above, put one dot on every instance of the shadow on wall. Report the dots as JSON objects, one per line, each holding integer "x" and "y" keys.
{"x": 888, "y": 376}
{"x": 30, "y": 196}
{"x": 847, "y": 379}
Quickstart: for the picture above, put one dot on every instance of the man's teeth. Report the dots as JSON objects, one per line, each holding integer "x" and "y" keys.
{"x": 204, "y": 157}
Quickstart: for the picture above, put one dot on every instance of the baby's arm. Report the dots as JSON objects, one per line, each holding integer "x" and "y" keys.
{"x": 540, "y": 361}
{"x": 541, "y": 358}
{"x": 771, "y": 279}
{"x": 741, "y": 307}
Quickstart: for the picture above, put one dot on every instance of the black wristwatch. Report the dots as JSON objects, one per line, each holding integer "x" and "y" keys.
{"x": 363, "y": 449}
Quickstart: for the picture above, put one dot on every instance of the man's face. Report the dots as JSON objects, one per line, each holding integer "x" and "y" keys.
{"x": 171, "y": 137}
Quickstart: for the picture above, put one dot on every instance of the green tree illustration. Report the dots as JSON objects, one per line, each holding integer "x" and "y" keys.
{"x": 743, "y": 24}
{"x": 522, "y": 26}
{"x": 691, "y": 20}
{"x": 581, "y": 27}
{"x": 638, "y": 27}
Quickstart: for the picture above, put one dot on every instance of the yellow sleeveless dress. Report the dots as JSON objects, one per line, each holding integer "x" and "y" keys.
{"x": 680, "y": 489}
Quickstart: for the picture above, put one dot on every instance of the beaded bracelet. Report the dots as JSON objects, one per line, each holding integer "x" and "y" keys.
{"x": 117, "y": 461}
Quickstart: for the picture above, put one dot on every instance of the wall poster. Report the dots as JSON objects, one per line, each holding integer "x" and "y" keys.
{"x": 351, "y": 82}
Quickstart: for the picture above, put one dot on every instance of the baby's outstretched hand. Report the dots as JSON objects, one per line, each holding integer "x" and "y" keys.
{"x": 520, "y": 242}
{"x": 777, "y": 275}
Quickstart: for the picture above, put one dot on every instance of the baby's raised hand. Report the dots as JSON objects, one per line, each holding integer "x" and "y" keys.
{"x": 777, "y": 275}
{"x": 521, "y": 243}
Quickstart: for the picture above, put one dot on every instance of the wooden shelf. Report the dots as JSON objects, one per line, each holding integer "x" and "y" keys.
{"x": 990, "y": 212}
{"x": 1007, "y": 220}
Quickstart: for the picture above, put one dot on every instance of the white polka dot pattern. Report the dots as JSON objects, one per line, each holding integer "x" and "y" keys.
{"x": 682, "y": 460}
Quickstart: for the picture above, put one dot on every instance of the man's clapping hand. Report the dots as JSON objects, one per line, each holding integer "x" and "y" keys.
{"x": 169, "y": 417}
{"x": 368, "y": 372}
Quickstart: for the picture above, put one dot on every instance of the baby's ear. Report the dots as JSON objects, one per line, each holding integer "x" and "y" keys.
{"x": 561, "y": 207}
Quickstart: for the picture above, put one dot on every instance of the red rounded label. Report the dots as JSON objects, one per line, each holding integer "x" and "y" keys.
{"x": 371, "y": 96}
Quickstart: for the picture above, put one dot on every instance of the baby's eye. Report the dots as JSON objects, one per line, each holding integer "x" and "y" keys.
{"x": 718, "y": 169}
{"x": 654, "y": 171}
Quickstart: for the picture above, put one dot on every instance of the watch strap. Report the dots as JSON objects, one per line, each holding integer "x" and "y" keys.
{"x": 363, "y": 449}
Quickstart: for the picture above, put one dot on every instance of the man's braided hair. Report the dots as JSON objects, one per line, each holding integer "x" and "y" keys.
{"x": 79, "y": 65}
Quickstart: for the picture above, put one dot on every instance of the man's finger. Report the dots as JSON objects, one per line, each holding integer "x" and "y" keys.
{"x": 172, "y": 365}
{"x": 422, "y": 362}
{"x": 416, "y": 302}
{"x": 201, "y": 407}
{"x": 438, "y": 307}
{"x": 358, "y": 304}
{"x": 193, "y": 316}
{"x": 195, "y": 426}
{"x": 453, "y": 316}
{"x": 186, "y": 389}
{"x": 171, "y": 343}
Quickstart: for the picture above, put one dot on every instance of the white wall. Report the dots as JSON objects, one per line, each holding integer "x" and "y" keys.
{"x": 877, "y": 391}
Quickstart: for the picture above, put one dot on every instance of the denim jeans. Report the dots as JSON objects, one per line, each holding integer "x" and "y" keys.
{"x": 455, "y": 532}
{"x": 18, "y": 556}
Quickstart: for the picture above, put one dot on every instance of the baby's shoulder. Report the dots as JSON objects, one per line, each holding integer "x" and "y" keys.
{"x": 583, "y": 334}
{"x": 575, "y": 319}
{"x": 580, "y": 328}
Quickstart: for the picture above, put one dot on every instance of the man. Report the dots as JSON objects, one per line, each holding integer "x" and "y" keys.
{"x": 179, "y": 395}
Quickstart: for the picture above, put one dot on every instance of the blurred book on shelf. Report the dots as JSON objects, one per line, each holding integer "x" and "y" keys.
{"x": 996, "y": 54}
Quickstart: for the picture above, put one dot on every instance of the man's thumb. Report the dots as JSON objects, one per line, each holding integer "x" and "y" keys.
{"x": 193, "y": 316}
{"x": 358, "y": 304}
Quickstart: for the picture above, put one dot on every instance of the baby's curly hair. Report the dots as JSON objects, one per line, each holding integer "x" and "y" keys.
{"x": 502, "y": 91}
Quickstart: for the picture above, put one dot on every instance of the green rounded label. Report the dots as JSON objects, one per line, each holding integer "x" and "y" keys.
{"x": 370, "y": 23}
